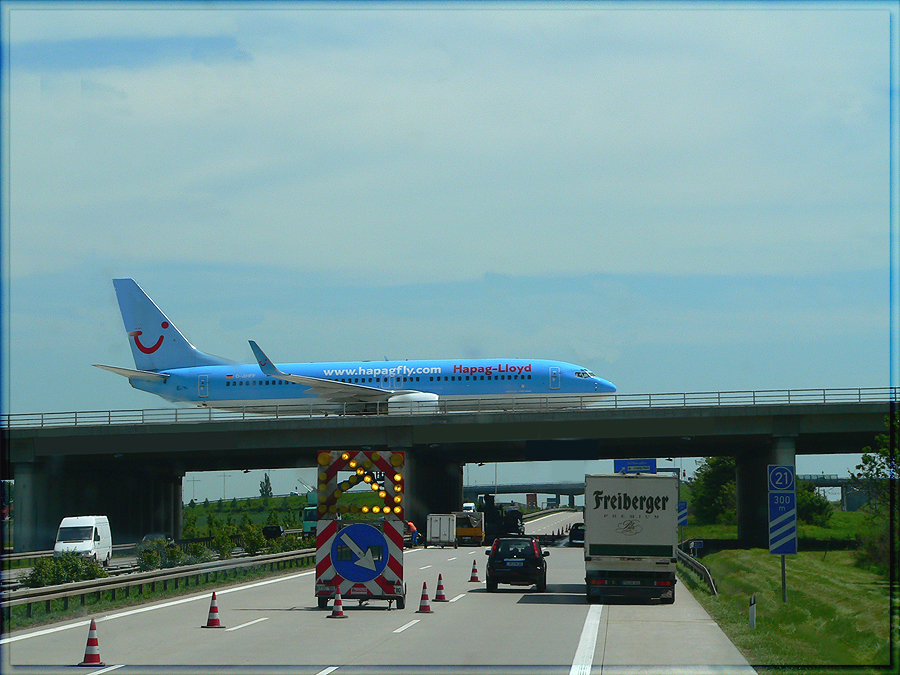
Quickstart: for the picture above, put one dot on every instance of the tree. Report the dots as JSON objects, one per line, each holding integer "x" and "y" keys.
{"x": 265, "y": 487}
{"x": 812, "y": 508}
{"x": 877, "y": 477}
{"x": 713, "y": 493}
{"x": 189, "y": 526}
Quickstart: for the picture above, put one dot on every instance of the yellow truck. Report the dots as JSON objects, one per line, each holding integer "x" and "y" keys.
{"x": 469, "y": 528}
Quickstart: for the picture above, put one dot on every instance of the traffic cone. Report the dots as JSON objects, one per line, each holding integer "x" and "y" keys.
{"x": 474, "y": 576}
{"x": 213, "y": 620}
{"x": 424, "y": 606}
{"x": 337, "y": 612}
{"x": 439, "y": 594}
{"x": 92, "y": 649}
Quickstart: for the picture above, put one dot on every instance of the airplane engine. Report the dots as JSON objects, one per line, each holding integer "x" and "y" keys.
{"x": 414, "y": 403}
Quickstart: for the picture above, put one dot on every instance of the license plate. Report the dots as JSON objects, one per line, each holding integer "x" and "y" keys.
{"x": 629, "y": 582}
{"x": 513, "y": 563}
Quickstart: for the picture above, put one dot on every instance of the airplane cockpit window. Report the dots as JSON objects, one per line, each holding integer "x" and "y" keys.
{"x": 586, "y": 374}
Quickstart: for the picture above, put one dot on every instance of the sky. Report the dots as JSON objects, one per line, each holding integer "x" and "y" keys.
{"x": 679, "y": 197}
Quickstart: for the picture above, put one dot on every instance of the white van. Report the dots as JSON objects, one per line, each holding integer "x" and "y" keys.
{"x": 88, "y": 536}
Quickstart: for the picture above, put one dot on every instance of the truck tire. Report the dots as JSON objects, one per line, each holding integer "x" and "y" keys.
{"x": 401, "y": 602}
{"x": 323, "y": 602}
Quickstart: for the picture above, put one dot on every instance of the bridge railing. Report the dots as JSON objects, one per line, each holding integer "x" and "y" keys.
{"x": 518, "y": 404}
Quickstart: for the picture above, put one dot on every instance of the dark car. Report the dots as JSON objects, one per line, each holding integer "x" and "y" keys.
{"x": 518, "y": 561}
{"x": 576, "y": 535}
{"x": 157, "y": 536}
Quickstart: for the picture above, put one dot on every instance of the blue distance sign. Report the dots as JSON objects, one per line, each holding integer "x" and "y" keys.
{"x": 782, "y": 523}
{"x": 682, "y": 514}
{"x": 359, "y": 552}
{"x": 634, "y": 466}
{"x": 781, "y": 478}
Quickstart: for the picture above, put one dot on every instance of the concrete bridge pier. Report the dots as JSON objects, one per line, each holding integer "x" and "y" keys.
{"x": 136, "y": 497}
{"x": 433, "y": 485}
{"x": 752, "y": 491}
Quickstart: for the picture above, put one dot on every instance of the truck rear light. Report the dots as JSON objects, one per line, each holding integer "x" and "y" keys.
{"x": 599, "y": 582}
{"x": 663, "y": 583}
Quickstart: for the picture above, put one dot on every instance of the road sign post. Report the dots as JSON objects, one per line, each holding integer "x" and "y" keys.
{"x": 782, "y": 517}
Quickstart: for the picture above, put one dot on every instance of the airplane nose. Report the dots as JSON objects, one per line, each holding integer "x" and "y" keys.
{"x": 606, "y": 386}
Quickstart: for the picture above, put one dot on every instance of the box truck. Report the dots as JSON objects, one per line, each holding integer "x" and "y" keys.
{"x": 440, "y": 530}
{"x": 630, "y": 535}
{"x": 88, "y": 536}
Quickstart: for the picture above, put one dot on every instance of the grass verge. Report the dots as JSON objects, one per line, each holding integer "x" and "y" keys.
{"x": 836, "y": 615}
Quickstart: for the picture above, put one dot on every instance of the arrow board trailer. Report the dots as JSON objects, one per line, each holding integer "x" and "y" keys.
{"x": 630, "y": 535}
{"x": 359, "y": 549}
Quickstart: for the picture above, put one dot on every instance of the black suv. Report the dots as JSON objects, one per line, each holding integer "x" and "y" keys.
{"x": 576, "y": 535}
{"x": 518, "y": 561}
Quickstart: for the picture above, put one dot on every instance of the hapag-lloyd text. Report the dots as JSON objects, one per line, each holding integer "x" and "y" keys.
{"x": 490, "y": 370}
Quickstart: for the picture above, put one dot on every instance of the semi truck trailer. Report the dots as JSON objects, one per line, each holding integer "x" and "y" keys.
{"x": 630, "y": 535}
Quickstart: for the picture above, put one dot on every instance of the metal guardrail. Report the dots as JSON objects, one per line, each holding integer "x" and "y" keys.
{"x": 138, "y": 580}
{"x": 699, "y": 568}
{"x": 519, "y": 404}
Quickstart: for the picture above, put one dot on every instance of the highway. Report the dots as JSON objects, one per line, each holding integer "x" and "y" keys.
{"x": 275, "y": 624}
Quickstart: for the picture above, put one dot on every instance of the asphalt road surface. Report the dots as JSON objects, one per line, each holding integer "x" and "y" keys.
{"x": 274, "y": 626}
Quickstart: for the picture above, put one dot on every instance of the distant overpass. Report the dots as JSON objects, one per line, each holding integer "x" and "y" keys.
{"x": 849, "y": 500}
{"x": 129, "y": 465}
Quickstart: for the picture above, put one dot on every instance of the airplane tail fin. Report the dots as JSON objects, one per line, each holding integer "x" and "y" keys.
{"x": 155, "y": 341}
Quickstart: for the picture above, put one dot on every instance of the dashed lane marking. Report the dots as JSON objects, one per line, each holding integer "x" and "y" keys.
{"x": 244, "y": 625}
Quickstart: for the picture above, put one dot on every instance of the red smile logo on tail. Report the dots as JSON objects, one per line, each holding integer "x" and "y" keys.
{"x": 148, "y": 350}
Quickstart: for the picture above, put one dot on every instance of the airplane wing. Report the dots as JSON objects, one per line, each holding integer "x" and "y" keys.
{"x": 135, "y": 374}
{"x": 341, "y": 392}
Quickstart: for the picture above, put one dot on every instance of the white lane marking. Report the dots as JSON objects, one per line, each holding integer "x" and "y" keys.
{"x": 106, "y": 670}
{"x": 244, "y": 625}
{"x": 453, "y": 558}
{"x": 330, "y": 669}
{"x": 584, "y": 655}
{"x": 425, "y": 568}
{"x": 473, "y": 552}
{"x": 149, "y": 608}
{"x": 407, "y": 625}
{"x": 461, "y": 595}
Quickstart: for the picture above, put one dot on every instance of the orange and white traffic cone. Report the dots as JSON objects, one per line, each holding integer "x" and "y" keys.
{"x": 474, "y": 576}
{"x": 424, "y": 605}
{"x": 439, "y": 594}
{"x": 92, "y": 649}
{"x": 213, "y": 620}
{"x": 337, "y": 612}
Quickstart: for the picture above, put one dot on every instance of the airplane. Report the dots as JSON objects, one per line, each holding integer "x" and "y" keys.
{"x": 168, "y": 365}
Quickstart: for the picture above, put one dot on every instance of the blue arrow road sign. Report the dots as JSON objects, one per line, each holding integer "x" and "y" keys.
{"x": 359, "y": 552}
{"x": 782, "y": 523}
{"x": 682, "y": 514}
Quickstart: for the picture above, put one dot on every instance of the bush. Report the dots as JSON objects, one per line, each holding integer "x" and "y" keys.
{"x": 148, "y": 559}
{"x": 254, "y": 541}
{"x": 222, "y": 545}
{"x": 64, "y": 569}
{"x": 812, "y": 508}
{"x": 195, "y": 553}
